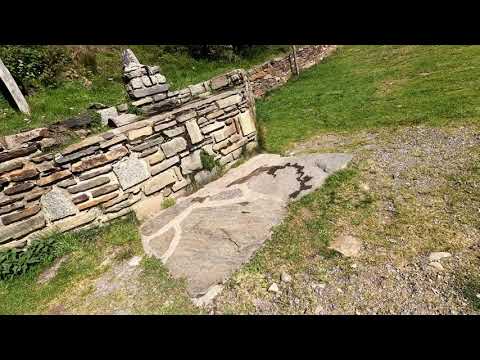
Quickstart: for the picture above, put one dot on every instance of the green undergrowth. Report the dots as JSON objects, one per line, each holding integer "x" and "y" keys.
{"x": 363, "y": 87}
{"x": 70, "y": 97}
{"x": 168, "y": 202}
{"x": 90, "y": 256}
{"x": 22, "y": 294}
{"x": 470, "y": 287}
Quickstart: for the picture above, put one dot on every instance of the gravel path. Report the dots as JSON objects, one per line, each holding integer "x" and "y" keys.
{"x": 425, "y": 186}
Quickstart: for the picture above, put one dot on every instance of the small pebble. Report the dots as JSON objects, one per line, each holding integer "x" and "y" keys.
{"x": 365, "y": 187}
{"x": 135, "y": 261}
{"x": 354, "y": 266}
{"x": 435, "y": 256}
{"x": 274, "y": 288}
{"x": 285, "y": 277}
{"x": 318, "y": 286}
{"x": 436, "y": 265}
{"x": 478, "y": 296}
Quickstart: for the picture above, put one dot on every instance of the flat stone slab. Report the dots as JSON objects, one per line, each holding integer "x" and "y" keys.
{"x": 208, "y": 235}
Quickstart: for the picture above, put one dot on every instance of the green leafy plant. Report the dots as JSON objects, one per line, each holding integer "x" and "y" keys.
{"x": 15, "y": 262}
{"x": 208, "y": 161}
{"x": 134, "y": 110}
{"x": 96, "y": 126}
{"x": 168, "y": 202}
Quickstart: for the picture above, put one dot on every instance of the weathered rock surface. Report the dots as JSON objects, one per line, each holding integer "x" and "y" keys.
{"x": 211, "y": 233}
{"x": 107, "y": 114}
{"x": 191, "y": 163}
{"x": 131, "y": 172}
{"x": 57, "y": 204}
{"x": 19, "y": 229}
{"x": 435, "y": 256}
{"x": 174, "y": 146}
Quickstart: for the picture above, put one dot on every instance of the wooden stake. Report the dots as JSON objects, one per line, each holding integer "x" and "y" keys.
{"x": 295, "y": 60}
{"x": 12, "y": 87}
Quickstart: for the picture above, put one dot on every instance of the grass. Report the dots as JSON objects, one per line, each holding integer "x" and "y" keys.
{"x": 307, "y": 229}
{"x": 70, "y": 98}
{"x": 362, "y": 87}
{"x": 24, "y": 295}
{"x": 358, "y": 89}
{"x": 471, "y": 290}
{"x": 300, "y": 244}
{"x": 87, "y": 252}
{"x": 168, "y": 202}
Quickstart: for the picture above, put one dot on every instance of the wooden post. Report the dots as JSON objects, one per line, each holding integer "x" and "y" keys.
{"x": 12, "y": 87}
{"x": 295, "y": 60}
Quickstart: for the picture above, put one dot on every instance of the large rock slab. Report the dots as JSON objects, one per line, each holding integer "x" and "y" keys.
{"x": 211, "y": 233}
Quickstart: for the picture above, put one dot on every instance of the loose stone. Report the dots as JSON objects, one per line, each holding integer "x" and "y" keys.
{"x": 89, "y": 184}
{"x": 285, "y": 277}
{"x": 274, "y": 288}
{"x": 435, "y": 256}
{"x": 19, "y": 188}
{"x": 54, "y": 177}
{"x": 8, "y": 219}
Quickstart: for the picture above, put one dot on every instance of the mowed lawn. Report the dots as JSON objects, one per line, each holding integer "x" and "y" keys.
{"x": 374, "y": 86}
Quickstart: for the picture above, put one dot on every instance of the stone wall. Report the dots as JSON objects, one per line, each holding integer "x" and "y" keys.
{"x": 150, "y": 156}
{"x": 276, "y": 72}
{"x": 104, "y": 175}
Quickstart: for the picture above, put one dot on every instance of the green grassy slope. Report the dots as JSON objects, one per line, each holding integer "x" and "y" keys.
{"x": 374, "y": 86}
{"x": 72, "y": 97}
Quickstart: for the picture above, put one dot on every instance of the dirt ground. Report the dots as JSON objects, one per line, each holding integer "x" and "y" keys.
{"x": 423, "y": 186}
{"x": 416, "y": 190}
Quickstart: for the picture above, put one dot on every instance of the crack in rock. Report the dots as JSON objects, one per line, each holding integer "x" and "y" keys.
{"x": 272, "y": 170}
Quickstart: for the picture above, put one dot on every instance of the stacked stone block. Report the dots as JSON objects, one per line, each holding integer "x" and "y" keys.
{"x": 145, "y": 84}
{"x": 276, "y": 72}
{"x": 104, "y": 175}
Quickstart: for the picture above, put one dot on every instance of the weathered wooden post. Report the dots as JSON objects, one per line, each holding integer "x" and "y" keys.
{"x": 294, "y": 48}
{"x": 12, "y": 87}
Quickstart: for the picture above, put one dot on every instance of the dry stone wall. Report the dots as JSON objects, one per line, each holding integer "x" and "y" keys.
{"x": 276, "y": 72}
{"x": 158, "y": 153}
{"x": 104, "y": 175}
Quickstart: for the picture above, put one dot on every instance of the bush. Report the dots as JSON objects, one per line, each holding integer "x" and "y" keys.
{"x": 34, "y": 66}
{"x": 219, "y": 52}
{"x": 208, "y": 161}
{"x": 168, "y": 202}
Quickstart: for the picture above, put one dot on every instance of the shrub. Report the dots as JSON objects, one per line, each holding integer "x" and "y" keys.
{"x": 208, "y": 161}
{"x": 34, "y": 66}
{"x": 222, "y": 52}
{"x": 168, "y": 202}
{"x": 225, "y": 52}
{"x": 15, "y": 262}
